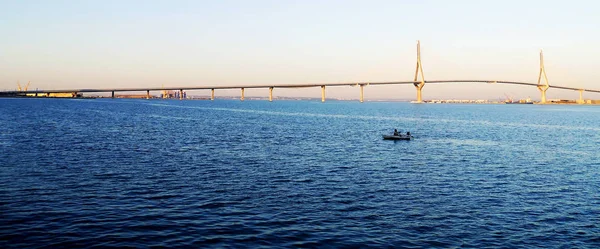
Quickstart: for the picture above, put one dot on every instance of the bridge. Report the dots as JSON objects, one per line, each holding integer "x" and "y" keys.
{"x": 418, "y": 83}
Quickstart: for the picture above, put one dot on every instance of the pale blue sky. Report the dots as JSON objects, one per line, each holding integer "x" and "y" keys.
{"x": 101, "y": 44}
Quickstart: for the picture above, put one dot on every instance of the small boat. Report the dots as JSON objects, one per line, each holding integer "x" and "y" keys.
{"x": 397, "y": 137}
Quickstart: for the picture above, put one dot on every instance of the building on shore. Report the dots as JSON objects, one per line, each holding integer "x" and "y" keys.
{"x": 53, "y": 95}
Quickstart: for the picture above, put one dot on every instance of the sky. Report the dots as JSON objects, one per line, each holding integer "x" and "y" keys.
{"x": 111, "y": 44}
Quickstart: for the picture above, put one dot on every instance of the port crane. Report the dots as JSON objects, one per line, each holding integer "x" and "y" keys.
{"x": 508, "y": 98}
{"x": 165, "y": 93}
{"x": 26, "y": 87}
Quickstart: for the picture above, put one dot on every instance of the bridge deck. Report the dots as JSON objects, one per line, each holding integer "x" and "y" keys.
{"x": 294, "y": 86}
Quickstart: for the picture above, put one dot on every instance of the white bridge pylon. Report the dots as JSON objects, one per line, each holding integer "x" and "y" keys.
{"x": 419, "y": 84}
{"x": 542, "y": 88}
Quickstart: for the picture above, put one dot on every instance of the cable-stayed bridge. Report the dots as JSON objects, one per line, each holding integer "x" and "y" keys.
{"x": 418, "y": 82}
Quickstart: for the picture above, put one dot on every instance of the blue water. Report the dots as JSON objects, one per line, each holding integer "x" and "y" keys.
{"x": 155, "y": 173}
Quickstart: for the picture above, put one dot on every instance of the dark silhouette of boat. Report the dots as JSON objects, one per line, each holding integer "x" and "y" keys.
{"x": 406, "y": 136}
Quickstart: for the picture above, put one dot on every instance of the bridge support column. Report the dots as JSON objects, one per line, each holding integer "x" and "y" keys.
{"x": 180, "y": 94}
{"x": 212, "y": 94}
{"x": 242, "y": 97}
{"x": 419, "y": 92}
{"x": 362, "y": 93}
{"x": 543, "y": 90}
{"x": 112, "y": 94}
{"x": 270, "y": 94}
{"x": 581, "y": 101}
{"x": 322, "y": 93}
{"x": 147, "y": 94}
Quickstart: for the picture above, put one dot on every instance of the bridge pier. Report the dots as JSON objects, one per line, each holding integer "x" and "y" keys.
{"x": 212, "y": 94}
{"x": 362, "y": 94}
{"x": 147, "y": 94}
{"x": 242, "y": 97}
{"x": 322, "y": 93}
{"x": 180, "y": 94}
{"x": 419, "y": 92}
{"x": 270, "y": 94}
{"x": 581, "y": 101}
{"x": 112, "y": 94}
{"x": 543, "y": 89}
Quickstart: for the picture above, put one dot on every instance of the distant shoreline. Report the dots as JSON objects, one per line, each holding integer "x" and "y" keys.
{"x": 258, "y": 98}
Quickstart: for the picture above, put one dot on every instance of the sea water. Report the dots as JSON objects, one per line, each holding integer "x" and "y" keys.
{"x": 226, "y": 173}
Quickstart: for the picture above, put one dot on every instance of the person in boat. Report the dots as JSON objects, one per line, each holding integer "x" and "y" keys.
{"x": 408, "y": 133}
{"x": 395, "y": 132}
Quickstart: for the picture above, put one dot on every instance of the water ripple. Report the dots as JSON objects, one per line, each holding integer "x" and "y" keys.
{"x": 129, "y": 173}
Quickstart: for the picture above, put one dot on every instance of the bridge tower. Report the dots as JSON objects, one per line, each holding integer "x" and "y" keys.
{"x": 421, "y": 84}
{"x": 542, "y": 88}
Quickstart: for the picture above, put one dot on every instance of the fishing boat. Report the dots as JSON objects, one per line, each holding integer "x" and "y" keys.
{"x": 397, "y": 137}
